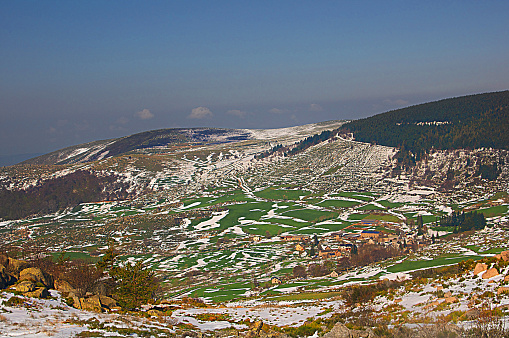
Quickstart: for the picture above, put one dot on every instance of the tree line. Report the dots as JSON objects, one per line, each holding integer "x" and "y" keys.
{"x": 475, "y": 121}
{"x": 59, "y": 193}
{"x": 464, "y": 221}
{"x": 299, "y": 146}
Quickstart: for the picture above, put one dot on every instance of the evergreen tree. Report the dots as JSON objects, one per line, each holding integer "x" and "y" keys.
{"x": 355, "y": 250}
{"x": 315, "y": 240}
{"x": 135, "y": 285}
{"x": 107, "y": 260}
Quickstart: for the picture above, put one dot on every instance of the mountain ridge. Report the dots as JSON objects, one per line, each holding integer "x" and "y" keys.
{"x": 472, "y": 121}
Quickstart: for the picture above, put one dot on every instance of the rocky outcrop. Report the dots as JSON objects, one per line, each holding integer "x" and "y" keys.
{"x": 95, "y": 303}
{"x": 108, "y": 302}
{"x": 37, "y": 276}
{"x": 502, "y": 289}
{"x": 6, "y": 279}
{"x": 341, "y": 331}
{"x": 490, "y": 273}
{"x": 16, "y": 266}
{"x": 65, "y": 288}
{"x": 480, "y": 267}
{"x": 25, "y": 286}
{"x": 41, "y": 292}
{"x": 504, "y": 255}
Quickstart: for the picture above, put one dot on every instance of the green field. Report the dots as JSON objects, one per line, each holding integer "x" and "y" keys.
{"x": 311, "y": 215}
{"x": 338, "y": 203}
{"x": 282, "y": 194}
{"x": 423, "y": 264}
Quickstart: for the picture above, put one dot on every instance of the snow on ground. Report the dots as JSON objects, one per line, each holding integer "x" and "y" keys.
{"x": 213, "y": 222}
{"x": 53, "y": 317}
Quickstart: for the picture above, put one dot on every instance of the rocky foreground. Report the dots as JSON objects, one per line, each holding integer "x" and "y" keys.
{"x": 34, "y": 303}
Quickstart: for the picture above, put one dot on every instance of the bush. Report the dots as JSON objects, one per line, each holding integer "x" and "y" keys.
{"x": 82, "y": 275}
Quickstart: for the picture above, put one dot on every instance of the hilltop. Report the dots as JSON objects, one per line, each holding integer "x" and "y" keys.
{"x": 474, "y": 121}
{"x": 170, "y": 138}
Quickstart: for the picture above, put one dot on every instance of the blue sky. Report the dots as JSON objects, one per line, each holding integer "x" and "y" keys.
{"x": 78, "y": 71}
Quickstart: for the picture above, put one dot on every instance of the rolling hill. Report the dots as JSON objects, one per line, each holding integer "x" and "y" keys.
{"x": 468, "y": 122}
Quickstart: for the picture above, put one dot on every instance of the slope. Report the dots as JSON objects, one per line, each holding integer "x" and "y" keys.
{"x": 475, "y": 121}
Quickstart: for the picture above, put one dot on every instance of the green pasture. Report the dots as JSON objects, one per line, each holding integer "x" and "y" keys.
{"x": 408, "y": 265}
{"x": 246, "y": 210}
{"x": 499, "y": 210}
{"x": 311, "y": 215}
{"x": 261, "y": 229}
{"x": 390, "y": 205}
{"x": 287, "y": 221}
{"x": 338, "y": 204}
{"x": 370, "y": 207}
{"x": 282, "y": 194}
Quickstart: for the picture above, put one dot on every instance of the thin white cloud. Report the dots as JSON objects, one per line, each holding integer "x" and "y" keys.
{"x": 144, "y": 114}
{"x": 200, "y": 113}
{"x": 236, "y": 112}
{"x": 277, "y": 111}
{"x": 315, "y": 107}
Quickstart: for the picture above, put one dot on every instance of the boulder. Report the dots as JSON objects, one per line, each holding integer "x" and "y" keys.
{"x": 41, "y": 292}
{"x": 77, "y": 302}
{"x": 16, "y": 266}
{"x": 341, "y": 331}
{"x": 502, "y": 289}
{"x": 6, "y": 279}
{"x": 4, "y": 260}
{"x": 155, "y": 313}
{"x": 504, "y": 255}
{"x": 64, "y": 287}
{"x": 91, "y": 304}
{"x": 480, "y": 267}
{"x": 450, "y": 299}
{"x": 25, "y": 286}
{"x": 108, "y": 302}
{"x": 36, "y": 275}
{"x": 490, "y": 273}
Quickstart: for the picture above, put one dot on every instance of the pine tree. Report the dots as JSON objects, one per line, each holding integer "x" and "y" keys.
{"x": 107, "y": 260}
{"x": 135, "y": 285}
{"x": 354, "y": 250}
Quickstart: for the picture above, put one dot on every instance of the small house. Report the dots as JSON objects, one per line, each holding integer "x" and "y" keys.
{"x": 275, "y": 280}
{"x": 334, "y": 274}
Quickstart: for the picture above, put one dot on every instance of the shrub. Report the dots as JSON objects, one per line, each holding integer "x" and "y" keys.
{"x": 82, "y": 275}
{"x": 14, "y": 301}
